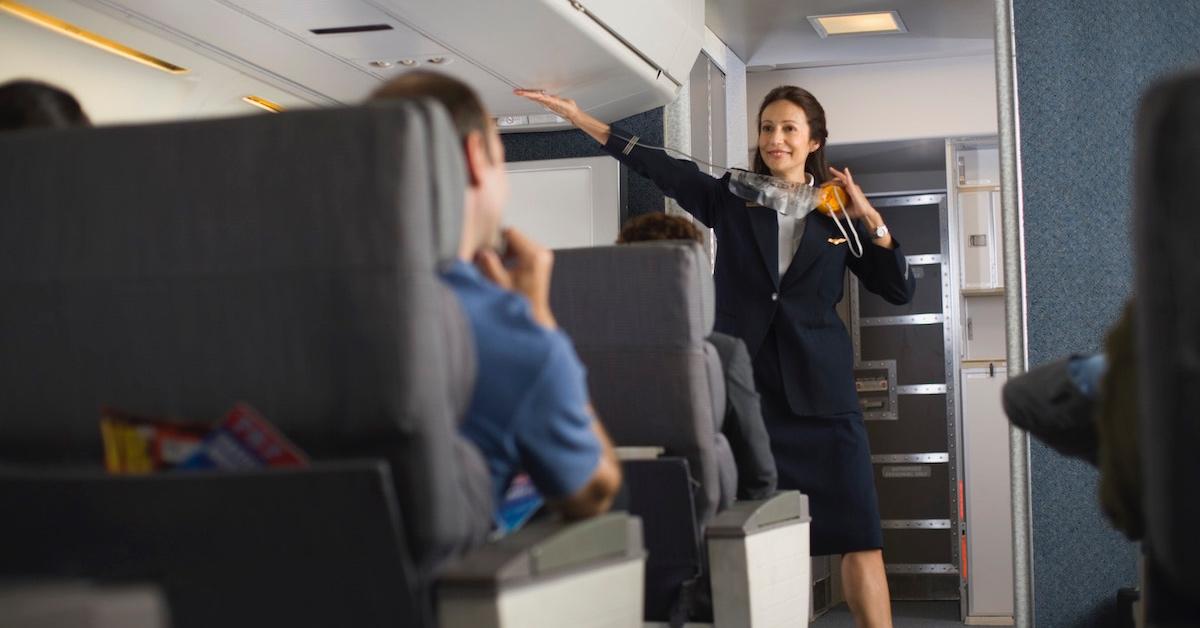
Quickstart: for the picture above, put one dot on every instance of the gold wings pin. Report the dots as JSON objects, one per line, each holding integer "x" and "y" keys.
{"x": 836, "y": 241}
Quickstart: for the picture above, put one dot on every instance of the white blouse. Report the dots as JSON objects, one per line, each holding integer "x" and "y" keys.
{"x": 790, "y": 232}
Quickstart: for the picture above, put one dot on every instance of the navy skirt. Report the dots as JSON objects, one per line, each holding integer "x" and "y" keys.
{"x": 828, "y": 459}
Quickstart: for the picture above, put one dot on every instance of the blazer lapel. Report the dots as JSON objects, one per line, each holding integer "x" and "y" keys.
{"x": 813, "y": 244}
{"x": 766, "y": 234}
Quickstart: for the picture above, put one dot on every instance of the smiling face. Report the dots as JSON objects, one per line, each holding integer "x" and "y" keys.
{"x": 784, "y": 140}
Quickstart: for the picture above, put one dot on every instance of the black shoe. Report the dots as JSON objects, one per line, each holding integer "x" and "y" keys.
{"x": 1046, "y": 403}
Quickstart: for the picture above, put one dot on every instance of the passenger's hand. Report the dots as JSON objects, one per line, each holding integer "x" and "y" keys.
{"x": 563, "y": 107}
{"x": 525, "y": 269}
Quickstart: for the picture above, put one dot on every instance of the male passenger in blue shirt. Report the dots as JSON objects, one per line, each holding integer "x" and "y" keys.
{"x": 530, "y": 410}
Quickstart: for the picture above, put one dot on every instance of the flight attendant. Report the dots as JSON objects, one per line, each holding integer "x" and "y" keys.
{"x": 778, "y": 279}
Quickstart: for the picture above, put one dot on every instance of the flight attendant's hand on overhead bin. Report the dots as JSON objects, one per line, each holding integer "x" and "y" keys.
{"x": 525, "y": 269}
{"x": 563, "y": 107}
{"x": 567, "y": 109}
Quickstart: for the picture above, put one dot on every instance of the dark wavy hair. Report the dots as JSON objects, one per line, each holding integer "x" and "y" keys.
{"x": 816, "y": 165}
{"x": 26, "y": 104}
{"x": 658, "y": 226}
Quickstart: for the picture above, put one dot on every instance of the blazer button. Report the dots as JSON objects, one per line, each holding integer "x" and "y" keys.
{"x": 774, "y": 296}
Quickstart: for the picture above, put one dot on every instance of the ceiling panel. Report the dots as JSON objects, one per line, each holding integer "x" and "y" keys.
{"x": 777, "y": 32}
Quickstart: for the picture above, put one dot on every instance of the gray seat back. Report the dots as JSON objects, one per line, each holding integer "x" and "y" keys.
{"x": 1167, "y": 193}
{"x": 287, "y": 261}
{"x": 639, "y": 316}
{"x": 299, "y": 561}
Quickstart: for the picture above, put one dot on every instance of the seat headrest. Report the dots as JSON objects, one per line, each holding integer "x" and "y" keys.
{"x": 664, "y": 289}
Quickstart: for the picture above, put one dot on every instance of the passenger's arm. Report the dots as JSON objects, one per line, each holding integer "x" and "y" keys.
{"x": 561, "y": 443}
{"x": 596, "y": 496}
{"x": 680, "y": 179}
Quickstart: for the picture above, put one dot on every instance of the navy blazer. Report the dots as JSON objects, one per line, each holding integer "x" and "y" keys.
{"x": 815, "y": 360}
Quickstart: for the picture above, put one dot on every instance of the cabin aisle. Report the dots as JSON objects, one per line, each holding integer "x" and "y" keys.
{"x": 904, "y": 615}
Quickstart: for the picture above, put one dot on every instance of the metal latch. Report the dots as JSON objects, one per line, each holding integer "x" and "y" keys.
{"x": 871, "y": 384}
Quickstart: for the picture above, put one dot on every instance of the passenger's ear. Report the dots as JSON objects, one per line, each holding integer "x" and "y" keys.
{"x": 475, "y": 147}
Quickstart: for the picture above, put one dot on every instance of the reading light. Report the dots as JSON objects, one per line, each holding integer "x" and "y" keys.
{"x": 858, "y": 23}
{"x": 87, "y": 37}
{"x": 262, "y": 103}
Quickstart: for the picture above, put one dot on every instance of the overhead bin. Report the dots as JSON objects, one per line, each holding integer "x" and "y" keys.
{"x": 616, "y": 58}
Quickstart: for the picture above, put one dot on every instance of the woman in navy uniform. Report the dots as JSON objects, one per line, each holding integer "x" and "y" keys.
{"x": 778, "y": 280}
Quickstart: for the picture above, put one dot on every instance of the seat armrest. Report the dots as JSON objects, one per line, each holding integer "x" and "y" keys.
{"x": 745, "y": 518}
{"x": 547, "y": 548}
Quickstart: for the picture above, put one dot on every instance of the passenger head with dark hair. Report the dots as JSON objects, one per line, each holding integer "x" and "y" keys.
{"x": 658, "y": 226}
{"x": 26, "y": 104}
{"x": 530, "y": 409}
{"x": 487, "y": 190}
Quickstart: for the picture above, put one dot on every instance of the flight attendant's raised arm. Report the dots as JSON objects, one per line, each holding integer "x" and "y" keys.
{"x": 680, "y": 179}
{"x": 568, "y": 110}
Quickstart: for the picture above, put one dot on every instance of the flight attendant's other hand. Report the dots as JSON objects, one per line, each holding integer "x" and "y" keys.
{"x": 858, "y": 206}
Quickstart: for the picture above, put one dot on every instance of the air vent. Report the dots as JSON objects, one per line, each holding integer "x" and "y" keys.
{"x": 342, "y": 30}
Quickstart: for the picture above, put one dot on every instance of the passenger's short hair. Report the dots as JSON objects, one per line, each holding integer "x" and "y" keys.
{"x": 461, "y": 102}
{"x": 658, "y": 226}
{"x": 26, "y": 104}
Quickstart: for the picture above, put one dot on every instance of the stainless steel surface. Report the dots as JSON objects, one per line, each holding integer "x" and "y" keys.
{"x": 915, "y": 524}
{"x": 921, "y": 389}
{"x": 906, "y": 471}
{"x": 900, "y": 201}
{"x": 871, "y": 384}
{"x": 912, "y": 319}
{"x": 1014, "y": 302}
{"x": 891, "y": 411}
{"x": 951, "y": 314}
{"x": 919, "y": 260}
{"x": 922, "y": 568}
{"x": 910, "y": 458}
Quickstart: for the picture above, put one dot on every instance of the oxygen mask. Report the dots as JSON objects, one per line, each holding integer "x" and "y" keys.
{"x": 796, "y": 200}
{"x": 789, "y": 198}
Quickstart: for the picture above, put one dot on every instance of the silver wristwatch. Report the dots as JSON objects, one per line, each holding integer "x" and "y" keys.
{"x": 878, "y": 232}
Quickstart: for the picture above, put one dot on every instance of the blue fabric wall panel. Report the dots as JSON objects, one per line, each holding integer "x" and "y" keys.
{"x": 638, "y": 195}
{"x": 1081, "y": 67}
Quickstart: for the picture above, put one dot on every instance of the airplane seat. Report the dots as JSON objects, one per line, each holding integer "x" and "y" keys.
{"x": 287, "y": 261}
{"x": 1167, "y": 312}
{"x": 639, "y": 315}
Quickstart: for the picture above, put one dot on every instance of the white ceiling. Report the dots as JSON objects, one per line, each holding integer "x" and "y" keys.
{"x": 776, "y": 34}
